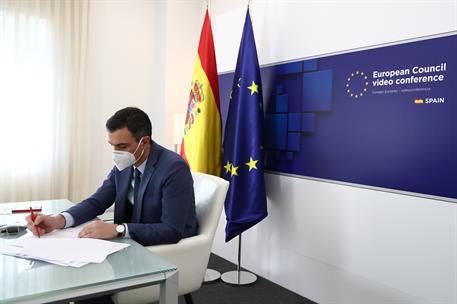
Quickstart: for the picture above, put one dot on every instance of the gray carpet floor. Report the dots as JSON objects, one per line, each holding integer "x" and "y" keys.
{"x": 261, "y": 292}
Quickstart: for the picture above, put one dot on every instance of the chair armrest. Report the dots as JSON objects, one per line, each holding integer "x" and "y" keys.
{"x": 190, "y": 243}
{"x": 196, "y": 249}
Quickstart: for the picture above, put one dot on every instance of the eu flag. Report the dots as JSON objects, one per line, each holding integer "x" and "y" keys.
{"x": 243, "y": 163}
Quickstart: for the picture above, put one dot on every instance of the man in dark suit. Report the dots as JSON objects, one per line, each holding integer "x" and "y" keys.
{"x": 151, "y": 187}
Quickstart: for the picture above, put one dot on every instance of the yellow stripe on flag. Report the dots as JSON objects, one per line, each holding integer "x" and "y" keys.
{"x": 202, "y": 138}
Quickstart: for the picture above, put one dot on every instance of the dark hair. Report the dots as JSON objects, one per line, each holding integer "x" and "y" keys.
{"x": 136, "y": 121}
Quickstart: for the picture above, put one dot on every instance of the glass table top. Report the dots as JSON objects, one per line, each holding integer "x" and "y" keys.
{"x": 22, "y": 279}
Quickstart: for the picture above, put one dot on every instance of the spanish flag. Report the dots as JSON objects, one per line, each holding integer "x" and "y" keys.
{"x": 201, "y": 144}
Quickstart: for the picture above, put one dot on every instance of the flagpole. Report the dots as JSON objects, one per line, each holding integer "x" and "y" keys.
{"x": 211, "y": 275}
{"x": 238, "y": 277}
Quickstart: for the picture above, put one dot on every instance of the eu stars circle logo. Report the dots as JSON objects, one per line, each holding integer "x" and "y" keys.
{"x": 357, "y": 84}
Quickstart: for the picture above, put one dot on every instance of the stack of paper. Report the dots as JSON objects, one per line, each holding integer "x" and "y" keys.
{"x": 66, "y": 233}
{"x": 62, "y": 247}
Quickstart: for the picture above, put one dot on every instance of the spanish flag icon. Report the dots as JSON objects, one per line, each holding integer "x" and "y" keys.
{"x": 418, "y": 101}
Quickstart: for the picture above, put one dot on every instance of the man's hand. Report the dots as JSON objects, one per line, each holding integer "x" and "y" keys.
{"x": 45, "y": 223}
{"x": 99, "y": 230}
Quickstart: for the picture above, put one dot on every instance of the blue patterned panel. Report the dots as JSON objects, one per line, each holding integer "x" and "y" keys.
{"x": 276, "y": 125}
{"x": 290, "y": 68}
{"x": 317, "y": 91}
{"x": 290, "y": 156}
{"x": 279, "y": 89}
{"x": 293, "y": 142}
{"x": 308, "y": 121}
{"x": 294, "y": 122}
{"x": 310, "y": 65}
{"x": 282, "y": 103}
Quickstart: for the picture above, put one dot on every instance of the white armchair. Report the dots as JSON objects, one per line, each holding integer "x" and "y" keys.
{"x": 191, "y": 254}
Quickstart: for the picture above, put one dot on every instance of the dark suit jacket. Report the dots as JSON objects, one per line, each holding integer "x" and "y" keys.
{"x": 166, "y": 209}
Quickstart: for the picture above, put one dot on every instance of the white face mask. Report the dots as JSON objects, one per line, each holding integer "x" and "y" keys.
{"x": 124, "y": 159}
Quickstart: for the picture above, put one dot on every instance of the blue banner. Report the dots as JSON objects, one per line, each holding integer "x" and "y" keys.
{"x": 384, "y": 117}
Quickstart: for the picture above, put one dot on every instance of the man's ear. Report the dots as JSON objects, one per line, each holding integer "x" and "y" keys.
{"x": 147, "y": 139}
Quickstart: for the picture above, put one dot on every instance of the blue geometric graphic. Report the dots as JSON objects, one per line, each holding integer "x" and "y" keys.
{"x": 294, "y": 122}
{"x": 293, "y": 142}
{"x": 308, "y": 120}
{"x": 282, "y": 103}
{"x": 317, "y": 91}
{"x": 298, "y": 81}
{"x": 276, "y": 138}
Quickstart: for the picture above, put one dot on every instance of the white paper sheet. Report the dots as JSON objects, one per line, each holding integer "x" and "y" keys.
{"x": 62, "y": 247}
{"x": 71, "y": 232}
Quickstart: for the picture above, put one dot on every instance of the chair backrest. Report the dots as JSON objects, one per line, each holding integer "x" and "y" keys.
{"x": 190, "y": 254}
{"x": 210, "y": 194}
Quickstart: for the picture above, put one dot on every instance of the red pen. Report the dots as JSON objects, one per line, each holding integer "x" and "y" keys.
{"x": 33, "y": 215}
{"x": 25, "y": 210}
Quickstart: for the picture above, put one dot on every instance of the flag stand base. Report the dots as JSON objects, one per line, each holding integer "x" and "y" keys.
{"x": 238, "y": 277}
{"x": 211, "y": 275}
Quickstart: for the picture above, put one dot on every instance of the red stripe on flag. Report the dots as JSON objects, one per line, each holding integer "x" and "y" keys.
{"x": 183, "y": 151}
{"x": 208, "y": 57}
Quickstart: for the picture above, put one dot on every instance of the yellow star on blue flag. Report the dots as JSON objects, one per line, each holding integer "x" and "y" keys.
{"x": 228, "y": 167}
{"x": 234, "y": 169}
{"x": 251, "y": 164}
{"x": 254, "y": 88}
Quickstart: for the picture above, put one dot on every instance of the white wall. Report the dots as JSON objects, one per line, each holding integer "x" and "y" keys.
{"x": 330, "y": 243}
{"x": 141, "y": 53}
{"x": 335, "y": 243}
